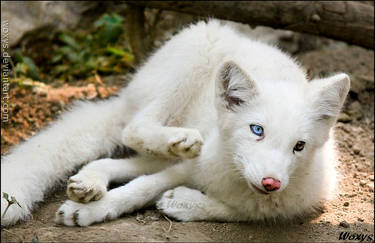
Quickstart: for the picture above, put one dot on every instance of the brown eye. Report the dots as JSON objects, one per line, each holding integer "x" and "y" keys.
{"x": 300, "y": 145}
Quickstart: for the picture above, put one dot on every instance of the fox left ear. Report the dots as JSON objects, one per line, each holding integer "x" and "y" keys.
{"x": 329, "y": 96}
{"x": 234, "y": 86}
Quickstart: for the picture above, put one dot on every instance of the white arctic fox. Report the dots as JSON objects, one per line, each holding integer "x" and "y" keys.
{"x": 226, "y": 128}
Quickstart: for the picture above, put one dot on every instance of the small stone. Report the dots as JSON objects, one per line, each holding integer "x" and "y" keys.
{"x": 344, "y": 118}
{"x": 371, "y": 177}
{"x": 356, "y": 150}
{"x": 354, "y": 110}
{"x": 324, "y": 221}
{"x": 361, "y": 168}
{"x": 344, "y": 224}
{"x": 315, "y": 18}
{"x": 361, "y": 219}
{"x": 371, "y": 187}
{"x": 362, "y": 182}
{"x": 355, "y": 105}
{"x": 346, "y": 204}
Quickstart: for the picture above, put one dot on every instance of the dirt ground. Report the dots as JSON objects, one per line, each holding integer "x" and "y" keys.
{"x": 352, "y": 211}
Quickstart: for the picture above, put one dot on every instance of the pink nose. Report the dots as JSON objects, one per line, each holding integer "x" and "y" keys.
{"x": 271, "y": 184}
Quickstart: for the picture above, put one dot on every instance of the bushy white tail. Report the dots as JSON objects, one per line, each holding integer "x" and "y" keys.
{"x": 83, "y": 134}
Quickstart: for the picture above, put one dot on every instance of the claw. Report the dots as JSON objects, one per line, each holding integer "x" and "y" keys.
{"x": 75, "y": 218}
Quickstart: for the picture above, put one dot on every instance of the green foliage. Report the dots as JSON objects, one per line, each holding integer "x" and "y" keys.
{"x": 79, "y": 54}
{"x": 110, "y": 27}
{"x": 26, "y": 66}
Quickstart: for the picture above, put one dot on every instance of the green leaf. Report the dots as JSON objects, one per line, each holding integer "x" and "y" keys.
{"x": 56, "y": 58}
{"x": 108, "y": 19}
{"x": 111, "y": 33}
{"x": 32, "y": 68}
{"x": 69, "y": 41}
{"x": 20, "y": 68}
{"x": 14, "y": 200}
{"x": 18, "y": 204}
{"x": 117, "y": 51}
{"x": 61, "y": 68}
{"x": 17, "y": 56}
{"x": 6, "y": 196}
{"x": 73, "y": 57}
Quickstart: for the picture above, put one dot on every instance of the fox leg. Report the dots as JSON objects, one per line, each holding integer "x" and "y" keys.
{"x": 125, "y": 199}
{"x": 169, "y": 142}
{"x": 187, "y": 204}
{"x": 90, "y": 184}
{"x": 147, "y": 134}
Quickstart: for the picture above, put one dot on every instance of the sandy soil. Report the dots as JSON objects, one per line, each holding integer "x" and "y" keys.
{"x": 352, "y": 211}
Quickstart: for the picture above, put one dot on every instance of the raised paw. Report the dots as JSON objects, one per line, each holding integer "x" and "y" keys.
{"x": 85, "y": 187}
{"x": 78, "y": 214}
{"x": 183, "y": 203}
{"x": 186, "y": 143}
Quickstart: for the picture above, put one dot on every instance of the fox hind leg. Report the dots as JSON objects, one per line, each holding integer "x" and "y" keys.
{"x": 139, "y": 192}
{"x": 90, "y": 183}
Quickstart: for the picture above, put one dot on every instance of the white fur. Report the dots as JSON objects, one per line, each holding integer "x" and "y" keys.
{"x": 178, "y": 115}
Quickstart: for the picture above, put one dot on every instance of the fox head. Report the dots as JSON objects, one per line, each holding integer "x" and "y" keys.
{"x": 271, "y": 127}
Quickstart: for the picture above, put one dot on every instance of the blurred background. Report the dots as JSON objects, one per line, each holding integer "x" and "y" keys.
{"x": 69, "y": 41}
{"x": 64, "y": 51}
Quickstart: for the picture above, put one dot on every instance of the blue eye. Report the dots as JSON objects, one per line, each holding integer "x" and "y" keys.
{"x": 257, "y": 130}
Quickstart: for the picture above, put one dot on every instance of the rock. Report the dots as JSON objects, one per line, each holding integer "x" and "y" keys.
{"x": 354, "y": 110}
{"x": 362, "y": 183}
{"x": 346, "y": 204}
{"x": 25, "y": 17}
{"x": 362, "y": 83}
{"x": 371, "y": 187}
{"x": 344, "y": 224}
{"x": 361, "y": 167}
{"x": 356, "y": 150}
{"x": 324, "y": 221}
{"x": 345, "y": 118}
{"x": 371, "y": 177}
{"x": 42, "y": 18}
{"x": 360, "y": 219}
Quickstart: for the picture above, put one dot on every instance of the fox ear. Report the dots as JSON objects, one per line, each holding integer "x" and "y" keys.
{"x": 330, "y": 94}
{"x": 235, "y": 87}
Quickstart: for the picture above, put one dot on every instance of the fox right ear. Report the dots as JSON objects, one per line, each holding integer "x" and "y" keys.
{"x": 234, "y": 86}
{"x": 329, "y": 95}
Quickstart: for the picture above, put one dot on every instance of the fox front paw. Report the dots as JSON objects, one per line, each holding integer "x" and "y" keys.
{"x": 84, "y": 188}
{"x": 183, "y": 204}
{"x": 186, "y": 143}
{"x": 78, "y": 214}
